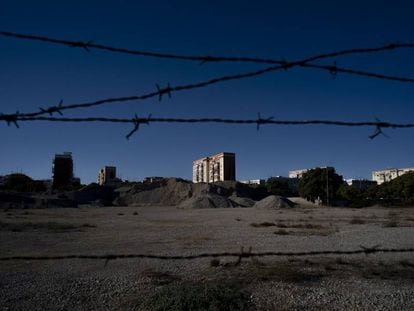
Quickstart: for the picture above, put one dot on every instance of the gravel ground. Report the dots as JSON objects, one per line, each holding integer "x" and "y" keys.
{"x": 358, "y": 282}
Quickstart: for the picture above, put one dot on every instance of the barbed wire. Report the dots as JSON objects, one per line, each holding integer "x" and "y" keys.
{"x": 168, "y": 90}
{"x": 137, "y": 121}
{"x": 88, "y": 45}
{"x": 241, "y": 254}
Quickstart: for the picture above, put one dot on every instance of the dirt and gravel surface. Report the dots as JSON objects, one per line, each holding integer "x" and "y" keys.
{"x": 357, "y": 282}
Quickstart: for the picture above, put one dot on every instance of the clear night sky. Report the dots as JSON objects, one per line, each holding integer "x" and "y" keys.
{"x": 35, "y": 74}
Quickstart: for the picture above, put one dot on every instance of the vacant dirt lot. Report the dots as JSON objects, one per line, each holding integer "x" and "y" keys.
{"x": 331, "y": 282}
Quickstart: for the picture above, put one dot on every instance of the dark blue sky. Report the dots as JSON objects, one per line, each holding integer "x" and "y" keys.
{"x": 36, "y": 75}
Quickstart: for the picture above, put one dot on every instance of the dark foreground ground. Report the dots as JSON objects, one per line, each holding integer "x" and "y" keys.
{"x": 329, "y": 282}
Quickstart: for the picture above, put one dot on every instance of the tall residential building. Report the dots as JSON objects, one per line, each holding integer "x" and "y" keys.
{"x": 106, "y": 175}
{"x": 389, "y": 174}
{"x": 219, "y": 167}
{"x": 62, "y": 170}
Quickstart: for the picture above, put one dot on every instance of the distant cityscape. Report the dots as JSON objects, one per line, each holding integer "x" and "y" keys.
{"x": 209, "y": 169}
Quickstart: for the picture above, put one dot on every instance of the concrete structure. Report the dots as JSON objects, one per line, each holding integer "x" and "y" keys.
{"x": 219, "y": 167}
{"x": 62, "y": 170}
{"x": 299, "y": 173}
{"x": 361, "y": 184}
{"x": 106, "y": 175}
{"x": 389, "y": 174}
{"x": 253, "y": 181}
{"x": 152, "y": 179}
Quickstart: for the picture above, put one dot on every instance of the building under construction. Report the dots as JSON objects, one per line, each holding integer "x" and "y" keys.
{"x": 62, "y": 170}
{"x": 219, "y": 167}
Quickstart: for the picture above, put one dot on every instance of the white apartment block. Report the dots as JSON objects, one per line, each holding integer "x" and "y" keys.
{"x": 107, "y": 175}
{"x": 299, "y": 173}
{"x": 253, "y": 181}
{"x": 219, "y": 167}
{"x": 389, "y": 174}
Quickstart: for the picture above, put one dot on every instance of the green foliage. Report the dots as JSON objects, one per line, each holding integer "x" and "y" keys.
{"x": 399, "y": 191}
{"x": 355, "y": 197}
{"x": 279, "y": 187}
{"x": 313, "y": 184}
{"x": 23, "y": 183}
{"x": 189, "y": 296}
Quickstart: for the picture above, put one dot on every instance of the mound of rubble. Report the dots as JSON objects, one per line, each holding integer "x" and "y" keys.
{"x": 166, "y": 192}
{"x": 185, "y": 194}
{"x": 93, "y": 194}
{"x": 274, "y": 201}
{"x": 29, "y": 200}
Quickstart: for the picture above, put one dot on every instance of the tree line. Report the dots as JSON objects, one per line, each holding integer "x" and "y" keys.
{"x": 329, "y": 188}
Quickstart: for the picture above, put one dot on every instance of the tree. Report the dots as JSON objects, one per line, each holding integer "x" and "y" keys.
{"x": 354, "y": 196}
{"x": 317, "y": 183}
{"x": 278, "y": 187}
{"x": 397, "y": 191}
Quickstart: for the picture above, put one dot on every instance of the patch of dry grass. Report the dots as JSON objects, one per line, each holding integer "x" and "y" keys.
{"x": 281, "y": 232}
{"x": 357, "y": 221}
{"x": 263, "y": 224}
{"x": 49, "y": 226}
{"x": 282, "y": 271}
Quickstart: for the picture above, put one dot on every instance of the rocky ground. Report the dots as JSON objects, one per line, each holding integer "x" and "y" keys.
{"x": 330, "y": 282}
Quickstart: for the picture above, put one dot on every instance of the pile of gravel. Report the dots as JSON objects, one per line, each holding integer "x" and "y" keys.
{"x": 206, "y": 201}
{"x": 185, "y": 194}
{"x": 168, "y": 192}
{"x": 93, "y": 194}
{"x": 274, "y": 201}
{"x": 241, "y": 201}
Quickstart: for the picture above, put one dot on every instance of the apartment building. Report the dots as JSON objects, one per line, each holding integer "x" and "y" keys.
{"x": 218, "y": 167}
{"x": 299, "y": 173}
{"x": 106, "y": 175}
{"x": 62, "y": 170}
{"x": 389, "y": 174}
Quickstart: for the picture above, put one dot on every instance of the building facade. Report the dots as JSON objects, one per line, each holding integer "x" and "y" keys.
{"x": 389, "y": 174}
{"x": 219, "y": 167}
{"x": 106, "y": 175}
{"x": 253, "y": 181}
{"x": 62, "y": 170}
{"x": 299, "y": 173}
{"x": 360, "y": 184}
{"x": 152, "y": 179}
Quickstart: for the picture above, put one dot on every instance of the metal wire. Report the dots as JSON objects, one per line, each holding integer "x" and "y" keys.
{"x": 137, "y": 121}
{"x": 202, "y": 58}
{"x": 242, "y": 254}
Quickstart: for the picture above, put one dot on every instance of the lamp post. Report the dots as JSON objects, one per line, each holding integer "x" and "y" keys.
{"x": 327, "y": 186}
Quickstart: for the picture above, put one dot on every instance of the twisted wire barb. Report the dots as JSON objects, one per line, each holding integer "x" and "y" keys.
{"x": 137, "y": 121}
{"x": 170, "y": 89}
{"x": 242, "y": 254}
{"x": 258, "y": 121}
{"x": 281, "y": 64}
{"x": 200, "y": 58}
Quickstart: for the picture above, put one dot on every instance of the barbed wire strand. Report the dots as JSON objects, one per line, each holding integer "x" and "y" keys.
{"x": 88, "y": 45}
{"x": 381, "y": 124}
{"x": 242, "y": 254}
{"x": 168, "y": 90}
{"x": 333, "y": 69}
{"x": 137, "y": 121}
